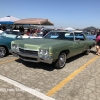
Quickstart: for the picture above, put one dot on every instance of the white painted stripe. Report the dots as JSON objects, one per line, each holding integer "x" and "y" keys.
{"x": 27, "y": 89}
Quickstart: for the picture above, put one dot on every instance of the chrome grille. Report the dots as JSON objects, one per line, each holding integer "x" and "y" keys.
{"x": 28, "y": 52}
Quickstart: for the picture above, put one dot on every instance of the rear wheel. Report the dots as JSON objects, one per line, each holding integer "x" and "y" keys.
{"x": 61, "y": 61}
{"x": 3, "y": 51}
{"x": 87, "y": 51}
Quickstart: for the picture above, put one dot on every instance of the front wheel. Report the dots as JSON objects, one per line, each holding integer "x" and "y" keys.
{"x": 61, "y": 61}
{"x": 2, "y": 52}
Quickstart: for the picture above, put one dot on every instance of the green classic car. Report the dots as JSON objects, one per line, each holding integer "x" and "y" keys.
{"x": 54, "y": 48}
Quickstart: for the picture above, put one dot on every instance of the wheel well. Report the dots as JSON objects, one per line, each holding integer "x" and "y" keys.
{"x": 90, "y": 47}
{"x": 5, "y": 48}
{"x": 65, "y": 51}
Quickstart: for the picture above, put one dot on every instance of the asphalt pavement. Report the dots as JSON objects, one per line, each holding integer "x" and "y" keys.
{"x": 78, "y": 80}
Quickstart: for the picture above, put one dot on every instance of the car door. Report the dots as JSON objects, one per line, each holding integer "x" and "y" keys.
{"x": 80, "y": 41}
{"x": 76, "y": 45}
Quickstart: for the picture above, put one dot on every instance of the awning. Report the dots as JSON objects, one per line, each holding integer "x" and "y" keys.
{"x": 69, "y": 28}
{"x": 34, "y": 21}
{"x": 8, "y": 20}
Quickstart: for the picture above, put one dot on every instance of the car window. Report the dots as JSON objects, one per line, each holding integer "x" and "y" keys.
{"x": 19, "y": 37}
{"x": 54, "y": 35}
{"x": 60, "y": 35}
{"x": 79, "y": 36}
{"x": 86, "y": 33}
{"x": 69, "y": 36}
{"x": 9, "y": 34}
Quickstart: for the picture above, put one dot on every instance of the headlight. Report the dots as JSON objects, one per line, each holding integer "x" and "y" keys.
{"x": 43, "y": 52}
{"x": 15, "y": 47}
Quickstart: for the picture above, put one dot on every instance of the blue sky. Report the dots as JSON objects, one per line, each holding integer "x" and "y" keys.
{"x": 63, "y": 13}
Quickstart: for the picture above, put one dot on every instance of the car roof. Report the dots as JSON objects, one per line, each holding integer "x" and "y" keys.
{"x": 81, "y": 32}
{"x": 78, "y": 31}
{"x": 58, "y": 31}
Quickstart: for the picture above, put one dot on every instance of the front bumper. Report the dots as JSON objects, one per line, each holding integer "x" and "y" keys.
{"x": 32, "y": 58}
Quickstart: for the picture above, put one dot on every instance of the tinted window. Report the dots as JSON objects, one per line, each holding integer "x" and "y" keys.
{"x": 79, "y": 36}
{"x": 9, "y": 34}
{"x": 60, "y": 35}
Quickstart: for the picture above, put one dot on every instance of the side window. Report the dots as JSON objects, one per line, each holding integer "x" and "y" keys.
{"x": 19, "y": 36}
{"x": 69, "y": 36}
{"x": 54, "y": 35}
{"x": 79, "y": 36}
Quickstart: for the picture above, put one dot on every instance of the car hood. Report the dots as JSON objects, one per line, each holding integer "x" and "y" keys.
{"x": 37, "y": 43}
{"x": 2, "y": 39}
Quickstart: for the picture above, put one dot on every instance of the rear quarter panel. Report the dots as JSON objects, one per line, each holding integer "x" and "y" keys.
{"x": 57, "y": 49}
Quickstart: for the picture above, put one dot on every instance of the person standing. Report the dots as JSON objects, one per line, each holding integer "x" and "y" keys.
{"x": 98, "y": 42}
{"x": 28, "y": 32}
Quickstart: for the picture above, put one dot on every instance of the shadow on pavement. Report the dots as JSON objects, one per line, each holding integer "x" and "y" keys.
{"x": 48, "y": 67}
{"x": 94, "y": 52}
{"x": 74, "y": 58}
{"x": 41, "y": 65}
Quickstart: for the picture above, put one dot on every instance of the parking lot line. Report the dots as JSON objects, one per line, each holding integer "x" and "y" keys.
{"x": 8, "y": 61}
{"x": 27, "y": 89}
{"x": 70, "y": 77}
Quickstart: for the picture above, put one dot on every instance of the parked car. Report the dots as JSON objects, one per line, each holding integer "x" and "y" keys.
{"x": 54, "y": 48}
{"x": 5, "y": 41}
{"x": 1, "y": 31}
{"x": 88, "y": 35}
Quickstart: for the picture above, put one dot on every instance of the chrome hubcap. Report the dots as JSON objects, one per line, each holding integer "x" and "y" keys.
{"x": 88, "y": 50}
{"x": 62, "y": 60}
{"x": 2, "y": 51}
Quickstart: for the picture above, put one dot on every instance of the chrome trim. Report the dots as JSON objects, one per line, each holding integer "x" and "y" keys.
{"x": 45, "y": 60}
{"x": 22, "y": 52}
{"x": 10, "y": 51}
{"x": 25, "y": 55}
{"x": 28, "y": 49}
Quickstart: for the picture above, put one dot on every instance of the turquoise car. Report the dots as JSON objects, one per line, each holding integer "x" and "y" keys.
{"x": 87, "y": 34}
{"x": 5, "y": 41}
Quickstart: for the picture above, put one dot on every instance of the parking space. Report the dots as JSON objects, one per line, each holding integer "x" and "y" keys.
{"x": 10, "y": 92}
{"x": 45, "y": 77}
{"x": 85, "y": 86}
{"x": 7, "y": 59}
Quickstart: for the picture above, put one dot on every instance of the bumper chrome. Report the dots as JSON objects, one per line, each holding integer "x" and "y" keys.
{"x": 32, "y": 58}
{"x": 10, "y": 51}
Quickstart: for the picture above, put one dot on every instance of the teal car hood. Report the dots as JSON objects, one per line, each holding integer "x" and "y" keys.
{"x": 4, "y": 40}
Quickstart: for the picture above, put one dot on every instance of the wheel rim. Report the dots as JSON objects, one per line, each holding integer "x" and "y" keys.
{"x": 2, "y": 51}
{"x": 88, "y": 51}
{"x": 62, "y": 60}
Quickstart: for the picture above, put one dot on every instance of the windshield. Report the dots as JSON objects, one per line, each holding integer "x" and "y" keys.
{"x": 9, "y": 34}
{"x": 60, "y": 35}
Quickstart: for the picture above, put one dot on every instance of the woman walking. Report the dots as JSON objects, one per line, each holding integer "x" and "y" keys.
{"x": 98, "y": 43}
